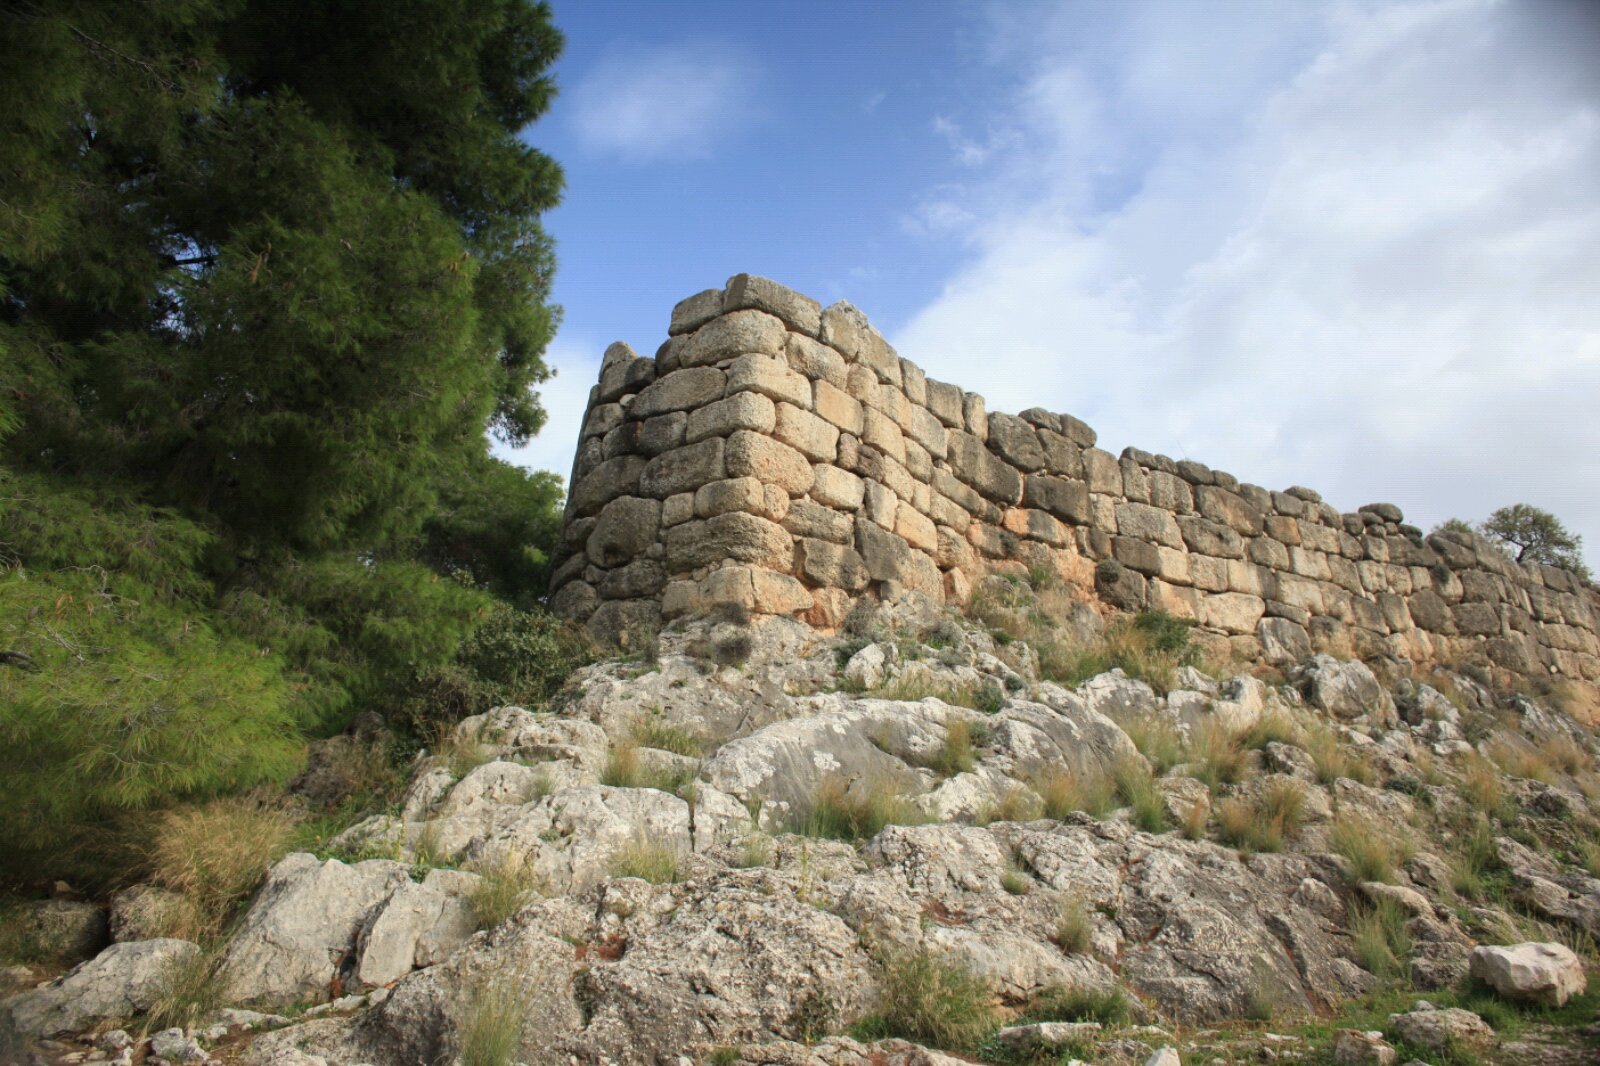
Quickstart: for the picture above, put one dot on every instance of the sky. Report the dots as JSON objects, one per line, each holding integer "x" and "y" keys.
{"x": 1353, "y": 245}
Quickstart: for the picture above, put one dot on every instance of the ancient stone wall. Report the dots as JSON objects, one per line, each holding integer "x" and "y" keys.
{"x": 782, "y": 457}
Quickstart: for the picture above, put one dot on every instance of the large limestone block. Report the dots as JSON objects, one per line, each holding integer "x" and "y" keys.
{"x": 889, "y": 558}
{"x": 771, "y": 377}
{"x": 807, "y": 519}
{"x": 741, "y": 494}
{"x": 1016, "y": 441}
{"x": 834, "y": 565}
{"x": 1231, "y": 612}
{"x": 123, "y": 980}
{"x": 305, "y": 919}
{"x": 388, "y": 945}
{"x": 695, "y": 311}
{"x": 983, "y": 470}
{"x": 815, "y": 360}
{"x": 838, "y": 407}
{"x": 1229, "y": 508}
{"x": 809, "y": 435}
{"x": 626, "y": 527}
{"x": 624, "y": 376}
{"x": 1067, "y": 500}
{"x": 836, "y": 488}
{"x": 1346, "y": 689}
{"x": 684, "y": 469}
{"x": 1149, "y": 523}
{"x": 769, "y": 461}
{"x": 1547, "y": 974}
{"x": 742, "y": 410}
{"x": 756, "y": 589}
{"x": 735, "y": 536}
{"x": 1206, "y": 537}
{"x": 681, "y": 390}
{"x": 610, "y": 479}
{"x": 764, "y": 294}
{"x": 917, "y": 529}
{"x": 926, "y": 429}
{"x": 847, "y": 329}
{"x": 883, "y": 433}
{"x": 732, "y": 335}
{"x": 944, "y": 403}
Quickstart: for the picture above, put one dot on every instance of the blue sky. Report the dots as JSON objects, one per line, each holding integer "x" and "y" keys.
{"x": 1353, "y": 245}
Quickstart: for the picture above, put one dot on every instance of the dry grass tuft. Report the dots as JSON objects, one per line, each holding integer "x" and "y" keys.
{"x": 505, "y": 885}
{"x": 1263, "y": 825}
{"x": 1074, "y": 927}
{"x": 1063, "y": 793}
{"x": 216, "y": 853}
{"x": 838, "y": 812}
{"x": 491, "y": 1031}
{"x": 1137, "y": 788}
{"x": 1373, "y": 851}
{"x": 648, "y": 861}
{"x": 935, "y": 1001}
{"x": 1480, "y": 784}
{"x": 1157, "y": 740}
{"x": 1218, "y": 756}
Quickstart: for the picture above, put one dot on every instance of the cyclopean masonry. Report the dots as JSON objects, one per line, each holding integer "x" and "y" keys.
{"x": 781, "y": 457}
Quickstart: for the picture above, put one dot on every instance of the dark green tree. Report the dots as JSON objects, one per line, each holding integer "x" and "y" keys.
{"x": 1535, "y": 536}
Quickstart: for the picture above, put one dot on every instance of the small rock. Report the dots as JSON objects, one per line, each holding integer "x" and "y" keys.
{"x": 1355, "y": 1048}
{"x": 115, "y": 1040}
{"x": 869, "y": 667}
{"x": 1434, "y": 1029}
{"x": 1046, "y": 1036}
{"x": 174, "y": 1046}
{"x": 1164, "y": 1057}
{"x": 1549, "y": 974}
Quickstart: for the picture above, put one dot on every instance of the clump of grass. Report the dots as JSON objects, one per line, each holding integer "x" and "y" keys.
{"x": 461, "y": 752}
{"x": 1523, "y": 762}
{"x": 1566, "y": 755}
{"x": 1262, "y": 826}
{"x": 1373, "y": 851}
{"x": 1074, "y": 927}
{"x": 656, "y": 863}
{"x": 1589, "y": 857}
{"x": 1157, "y": 740}
{"x": 654, "y": 733}
{"x": 1017, "y": 805}
{"x": 491, "y": 1031}
{"x": 1137, "y": 788}
{"x": 932, "y": 1001}
{"x": 838, "y": 813}
{"x": 1480, "y": 784}
{"x": 912, "y": 685}
{"x": 1015, "y": 881}
{"x": 505, "y": 885}
{"x": 625, "y": 769}
{"x": 186, "y": 994}
{"x": 1193, "y": 822}
{"x": 1273, "y": 727}
{"x": 755, "y": 850}
{"x": 1331, "y": 760}
{"x": 1378, "y": 935}
{"x": 1058, "y": 1003}
{"x": 1218, "y": 757}
{"x": 1063, "y": 793}
{"x": 1475, "y": 859}
{"x": 216, "y": 853}
{"x": 955, "y": 754}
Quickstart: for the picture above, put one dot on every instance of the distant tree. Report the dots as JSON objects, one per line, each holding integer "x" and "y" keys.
{"x": 1531, "y": 535}
{"x": 1454, "y": 525}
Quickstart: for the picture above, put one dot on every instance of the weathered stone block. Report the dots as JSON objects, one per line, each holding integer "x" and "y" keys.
{"x": 944, "y": 402}
{"x": 882, "y": 433}
{"x": 917, "y": 529}
{"x": 875, "y": 466}
{"x": 837, "y": 406}
{"x": 1016, "y": 442}
{"x": 1231, "y": 612}
{"x": 825, "y": 563}
{"x": 735, "y": 536}
{"x": 696, "y": 311}
{"x": 1174, "y": 567}
{"x": 684, "y": 469}
{"x": 677, "y": 508}
{"x": 1119, "y": 586}
{"x": 924, "y": 428}
{"x": 1103, "y": 471}
{"x": 1229, "y": 508}
{"x": 771, "y": 377}
{"x": 1135, "y": 480}
{"x": 974, "y": 415}
{"x": 769, "y": 461}
{"x": 640, "y": 578}
{"x": 980, "y": 468}
{"x": 629, "y": 375}
{"x": 847, "y": 329}
{"x": 625, "y": 528}
{"x": 661, "y": 433}
{"x": 836, "y": 488}
{"x": 681, "y": 390}
{"x": 803, "y": 431}
{"x": 880, "y": 504}
{"x": 1148, "y": 523}
{"x": 764, "y": 294}
{"x": 1170, "y": 493}
{"x": 807, "y": 519}
{"x": 1206, "y": 537}
{"x": 601, "y": 420}
{"x": 815, "y": 360}
{"x": 736, "y": 494}
{"x": 1067, "y": 500}
{"x": 604, "y": 483}
{"x": 1061, "y": 456}
{"x": 1136, "y": 554}
{"x": 1474, "y": 619}
{"x": 742, "y": 410}
{"x": 733, "y": 335}
{"x": 755, "y": 589}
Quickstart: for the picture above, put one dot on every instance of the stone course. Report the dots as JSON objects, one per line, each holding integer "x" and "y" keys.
{"x": 791, "y": 446}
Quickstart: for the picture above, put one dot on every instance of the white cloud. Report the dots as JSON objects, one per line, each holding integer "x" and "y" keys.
{"x": 1354, "y": 251}
{"x": 665, "y": 102}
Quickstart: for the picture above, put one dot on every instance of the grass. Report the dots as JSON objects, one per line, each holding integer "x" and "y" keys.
{"x": 216, "y": 853}
{"x": 1218, "y": 756}
{"x": 754, "y": 851}
{"x": 1330, "y": 759}
{"x": 1378, "y": 935}
{"x": 1373, "y": 851}
{"x": 1157, "y": 740}
{"x": 1058, "y": 1003}
{"x": 1273, "y": 727}
{"x": 1074, "y": 928}
{"x": 1193, "y": 822}
{"x": 1015, "y": 881}
{"x": 1566, "y": 755}
{"x": 505, "y": 884}
{"x": 1262, "y": 826}
{"x": 1017, "y": 805}
{"x": 932, "y": 1001}
{"x": 625, "y": 769}
{"x": 491, "y": 1030}
{"x": 1524, "y": 762}
{"x": 1480, "y": 784}
{"x": 838, "y": 813}
{"x": 911, "y": 686}
{"x": 955, "y": 755}
{"x": 1063, "y": 793}
{"x": 1475, "y": 860}
{"x": 656, "y": 863}
{"x": 653, "y": 733}
{"x": 1137, "y": 788}
{"x": 1589, "y": 857}
{"x": 187, "y": 994}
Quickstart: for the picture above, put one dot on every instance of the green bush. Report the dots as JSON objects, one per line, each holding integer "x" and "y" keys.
{"x": 837, "y": 812}
{"x": 933, "y": 1001}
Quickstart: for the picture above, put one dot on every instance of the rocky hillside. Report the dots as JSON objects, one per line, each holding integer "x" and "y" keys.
{"x": 756, "y": 844}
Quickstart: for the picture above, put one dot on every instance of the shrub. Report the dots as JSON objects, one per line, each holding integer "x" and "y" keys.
{"x": 1092, "y": 793}
{"x": 656, "y": 863}
{"x": 505, "y": 884}
{"x": 1137, "y": 788}
{"x": 186, "y": 994}
{"x": 1058, "y": 1003}
{"x": 1373, "y": 851}
{"x": 839, "y": 813}
{"x": 1157, "y": 740}
{"x": 912, "y": 685}
{"x": 1162, "y": 631}
{"x": 1262, "y": 826}
{"x": 491, "y": 1031}
{"x": 653, "y": 733}
{"x": 1378, "y": 935}
{"x": 1015, "y": 881}
{"x": 1074, "y": 927}
{"x": 936, "y": 1002}
{"x": 216, "y": 853}
{"x": 1523, "y": 762}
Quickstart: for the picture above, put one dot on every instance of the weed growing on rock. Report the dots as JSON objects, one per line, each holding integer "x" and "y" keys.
{"x": 1193, "y": 823}
{"x": 656, "y": 863}
{"x": 1475, "y": 860}
{"x": 1060, "y": 1003}
{"x": 216, "y": 853}
{"x": 1330, "y": 760}
{"x": 1217, "y": 756}
{"x": 187, "y": 994}
{"x": 1137, "y": 788}
{"x": 838, "y": 813}
{"x": 955, "y": 754}
{"x": 1263, "y": 825}
{"x": 491, "y": 1032}
{"x": 1373, "y": 851}
{"x": 1015, "y": 881}
{"x": 1063, "y": 793}
{"x": 654, "y": 733}
{"x": 1480, "y": 784}
{"x": 1378, "y": 934}
{"x": 1157, "y": 740}
{"x": 505, "y": 885}
{"x": 932, "y": 1001}
{"x": 755, "y": 850}
{"x": 1017, "y": 805}
{"x": 1074, "y": 927}
{"x": 1273, "y": 727}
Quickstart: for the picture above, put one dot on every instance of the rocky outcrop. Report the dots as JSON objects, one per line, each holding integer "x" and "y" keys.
{"x": 120, "y": 982}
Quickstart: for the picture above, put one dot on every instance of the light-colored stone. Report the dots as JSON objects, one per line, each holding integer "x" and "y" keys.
{"x": 742, "y": 410}
{"x": 734, "y": 537}
{"x": 1231, "y": 612}
{"x": 735, "y": 494}
{"x": 836, "y": 488}
{"x": 732, "y": 335}
{"x": 123, "y": 980}
{"x": 803, "y": 431}
{"x": 625, "y": 528}
{"x": 1546, "y": 974}
{"x": 769, "y": 461}
{"x": 837, "y": 406}
{"x": 1440, "y": 1030}
{"x": 764, "y": 294}
{"x": 681, "y": 390}
{"x": 815, "y": 360}
{"x": 1353, "y": 1047}
{"x": 771, "y": 377}
{"x": 917, "y": 529}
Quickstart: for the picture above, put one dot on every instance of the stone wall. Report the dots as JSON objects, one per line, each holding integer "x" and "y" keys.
{"x": 782, "y": 457}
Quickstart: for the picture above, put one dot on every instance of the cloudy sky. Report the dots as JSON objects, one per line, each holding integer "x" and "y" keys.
{"x": 1350, "y": 245}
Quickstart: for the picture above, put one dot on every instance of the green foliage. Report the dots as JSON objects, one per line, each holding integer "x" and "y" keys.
{"x": 932, "y": 1001}
{"x": 505, "y": 883}
{"x": 838, "y": 812}
{"x": 1059, "y": 1003}
{"x": 1373, "y": 851}
{"x": 1137, "y": 788}
{"x": 1378, "y": 935}
{"x": 1536, "y": 536}
{"x": 491, "y": 1031}
{"x": 1164, "y": 632}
